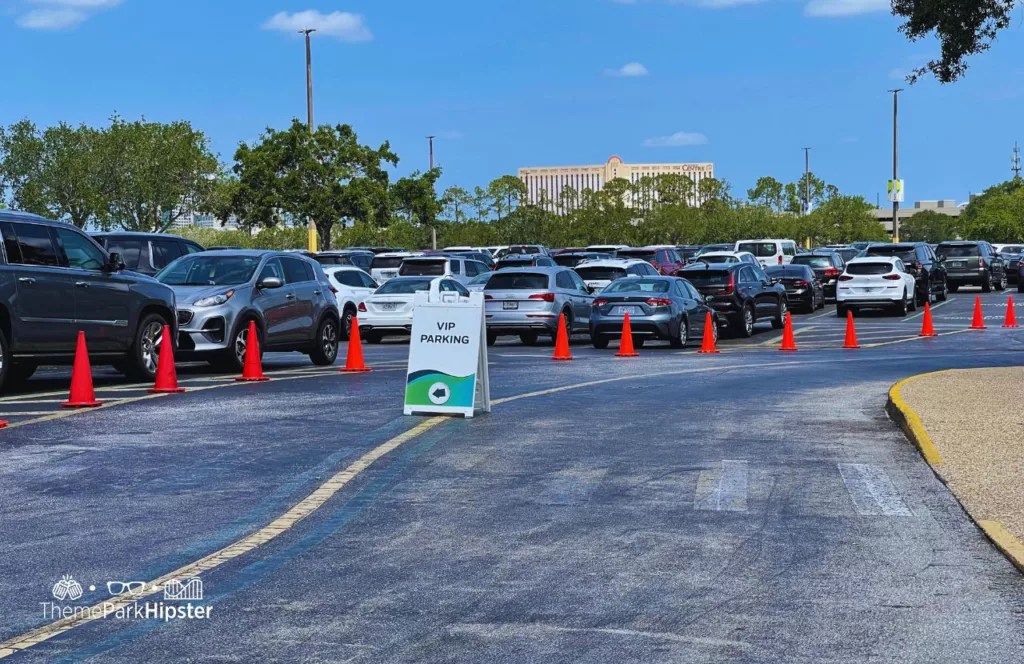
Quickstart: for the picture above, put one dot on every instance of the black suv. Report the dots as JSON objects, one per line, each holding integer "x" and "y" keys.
{"x": 921, "y": 262}
{"x": 827, "y": 265}
{"x": 972, "y": 263}
{"x": 56, "y": 281}
{"x": 146, "y": 253}
{"x": 741, "y": 293}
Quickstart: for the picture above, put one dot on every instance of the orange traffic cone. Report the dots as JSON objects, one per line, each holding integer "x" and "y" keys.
{"x": 252, "y": 370}
{"x": 851, "y": 332}
{"x": 978, "y": 323}
{"x": 82, "y": 395}
{"x": 561, "y": 341}
{"x": 1011, "y": 315}
{"x": 708, "y": 346}
{"x": 927, "y": 329}
{"x": 788, "y": 342}
{"x": 3, "y": 424}
{"x": 166, "y": 376}
{"x": 626, "y": 345}
{"x": 354, "y": 360}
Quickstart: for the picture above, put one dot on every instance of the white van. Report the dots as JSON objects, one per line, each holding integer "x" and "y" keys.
{"x": 769, "y": 252}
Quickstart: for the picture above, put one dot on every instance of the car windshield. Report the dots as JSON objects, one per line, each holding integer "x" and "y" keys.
{"x": 638, "y": 286}
{"x": 761, "y": 249}
{"x": 869, "y": 268}
{"x": 481, "y": 279}
{"x": 422, "y": 268}
{"x": 596, "y": 273}
{"x": 699, "y": 278}
{"x": 637, "y": 253}
{"x": 399, "y": 286}
{"x": 389, "y": 263}
{"x": 813, "y": 261}
{"x": 714, "y": 247}
{"x": 209, "y": 270}
{"x": 517, "y": 281}
{"x": 1012, "y": 249}
{"x": 957, "y": 250}
{"x": 787, "y": 272}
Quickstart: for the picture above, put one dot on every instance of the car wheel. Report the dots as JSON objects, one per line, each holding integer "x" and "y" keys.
{"x": 233, "y": 359}
{"x": 924, "y": 296}
{"x": 1001, "y": 284}
{"x": 568, "y": 327}
{"x": 19, "y": 372}
{"x": 370, "y": 337}
{"x": 346, "y": 322}
{"x": 986, "y": 287}
{"x": 638, "y": 342}
{"x": 679, "y": 341}
{"x": 325, "y": 348}
{"x": 780, "y": 318}
{"x": 491, "y": 338}
{"x": 5, "y": 360}
{"x": 599, "y": 342}
{"x": 528, "y": 339}
{"x": 144, "y": 354}
{"x": 901, "y": 306}
{"x": 953, "y": 287}
{"x": 1020, "y": 286}
{"x": 912, "y": 304}
{"x": 944, "y": 293}
{"x": 745, "y": 326}
{"x": 840, "y": 310}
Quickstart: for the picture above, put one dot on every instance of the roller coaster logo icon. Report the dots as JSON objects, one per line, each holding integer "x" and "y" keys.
{"x": 184, "y": 589}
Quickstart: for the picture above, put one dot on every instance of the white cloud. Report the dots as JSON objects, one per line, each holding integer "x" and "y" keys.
{"x": 840, "y": 8}
{"x": 342, "y": 25}
{"x": 628, "y": 70}
{"x": 678, "y": 139}
{"x": 62, "y": 14}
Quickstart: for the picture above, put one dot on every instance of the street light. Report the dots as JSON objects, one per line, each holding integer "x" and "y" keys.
{"x": 895, "y": 166}
{"x": 312, "y": 241}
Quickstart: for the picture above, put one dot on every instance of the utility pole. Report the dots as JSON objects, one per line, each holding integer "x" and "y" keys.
{"x": 311, "y": 234}
{"x": 433, "y": 231}
{"x": 895, "y": 165}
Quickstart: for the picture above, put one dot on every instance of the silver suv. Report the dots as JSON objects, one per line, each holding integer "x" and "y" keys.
{"x": 527, "y": 301}
{"x": 286, "y": 294}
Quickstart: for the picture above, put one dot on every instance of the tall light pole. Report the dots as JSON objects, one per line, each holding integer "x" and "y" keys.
{"x": 311, "y": 235}
{"x": 895, "y": 165}
{"x": 431, "y": 139}
{"x": 807, "y": 187}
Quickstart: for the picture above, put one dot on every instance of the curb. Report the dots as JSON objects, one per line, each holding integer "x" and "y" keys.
{"x": 910, "y": 423}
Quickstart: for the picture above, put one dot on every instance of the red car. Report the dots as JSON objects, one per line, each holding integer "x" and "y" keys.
{"x": 666, "y": 260}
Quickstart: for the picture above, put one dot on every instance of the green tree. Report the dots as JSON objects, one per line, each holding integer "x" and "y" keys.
{"x": 154, "y": 173}
{"x": 929, "y": 226}
{"x": 506, "y": 192}
{"x": 997, "y": 215}
{"x": 767, "y": 192}
{"x": 456, "y": 201}
{"x": 841, "y": 219}
{"x": 796, "y": 193}
{"x": 415, "y": 199}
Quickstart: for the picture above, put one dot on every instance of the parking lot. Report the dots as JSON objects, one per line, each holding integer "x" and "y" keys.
{"x": 753, "y": 505}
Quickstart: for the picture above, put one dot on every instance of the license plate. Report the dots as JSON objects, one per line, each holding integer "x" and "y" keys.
{"x": 957, "y": 263}
{"x": 388, "y": 274}
{"x": 388, "y": 306}
{"x": 632, "y": 311}
{"x": 509, "y": 306}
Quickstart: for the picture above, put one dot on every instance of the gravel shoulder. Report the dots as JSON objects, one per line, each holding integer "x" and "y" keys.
{"x": 976, "y": 423}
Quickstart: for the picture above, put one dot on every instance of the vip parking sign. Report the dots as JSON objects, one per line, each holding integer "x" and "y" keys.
{"x": 447, "y": 356}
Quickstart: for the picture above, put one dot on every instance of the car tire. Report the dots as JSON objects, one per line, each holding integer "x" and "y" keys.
{"x": 5, "y": 361}
{"x": 1020, "y": 286}
{"x": 779, "y": 321}
{"x": 679, "y": 341}
{"x": 599, "y": 342}
{"x": 568, "y": 327}
{"x": 346, "y": 323}
{"x": 912, "y": 304}
{"x": 1001, "y": 284}
{"x": 901, "y": 306}
{"x": 229, "y": 360}
{"x": 841, "y": 311}
{"x": 20, "y": 372}
{"x": 528, "y": 339}
{"x": 638, "y": 342}
{"x": 324, "y": 351}
{"x": 370, "y": 337}
{"x": 141, "y": 362}
{"x": 923, "y": 297}
{"x": 744, "y": 323}
{"x": 986, "y": 286}
{"x": 953, "y": 287}
{"x": 491, "y": 338}
{"x": 944, "y": 293}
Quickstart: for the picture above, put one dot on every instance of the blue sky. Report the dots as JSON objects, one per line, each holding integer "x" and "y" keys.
{"x": 510, "y": 83}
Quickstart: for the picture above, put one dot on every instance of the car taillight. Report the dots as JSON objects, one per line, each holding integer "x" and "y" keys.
{"x": 983, "y": 263}
{"x": 780, "y": 260}
{"x": 547, "y": 297}
{"x": 846, "y": 277}
{"x": 659, "y": 302}
{"x": 800, "y": 283}
{"x": 892, "y": 277}
{"x": 487, "y": 297}
{"x": 333, "y": 289}
{"x": 362, "y": 307}
{"x": 600, "y": 302}
{"x": 729, "y": 287}
{"x": 832, "y": 272}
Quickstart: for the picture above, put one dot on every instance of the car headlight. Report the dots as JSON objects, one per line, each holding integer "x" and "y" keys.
{"x": 214, "y": 300}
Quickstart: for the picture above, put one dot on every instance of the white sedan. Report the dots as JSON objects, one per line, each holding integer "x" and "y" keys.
{"x": 388, "y": 311}
{"x": 875, "y": 281}
{"x": 728, "y": 257}
{"x": 351, "y": 287}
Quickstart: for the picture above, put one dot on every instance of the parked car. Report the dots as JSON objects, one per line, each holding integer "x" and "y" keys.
{"x": 687, "y": 251}
{"x": 388, "y": 311}
{"x": 482, "y": 256}
{"x": 1011, "y": 255}
{"x": 286, "y": 294}
{"x": 527, "y": 302}
{"x": 385, "y": 266}
{"x": 876, "y": 281}
{"x": 356, "y": 257}
{"x": 525, "y": 260}
{"x": 667, "y": 308}
{"x": 848, "y": 253}
{"x": 728, "y": 257}
{"x": 520, "y": 249}
{"x": 666, "y": 260}
{"x": 972, "y": 264}
{"x": 742, "y": 294}
{"x": 802, "y": 284}
{"x": 920, "y": 260}
{"x": 478, "y": 282}
{"x": 607, "y": 248}
{"x": 453, "y": 267}
{"x": 57, "y": 281}
{"x": 827, "y": 265}
{"x": 574, "y": 258}
{"x": 769, "y": 252}
{"x": 146, "y": 253}
{"x": 351, "y": 287}
{"x": 708, "y": 248}
{"x": 598, "y": 274}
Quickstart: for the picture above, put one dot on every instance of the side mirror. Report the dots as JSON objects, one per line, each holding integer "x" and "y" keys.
{"x": 115, "y": 262}
{"x": 270, "y": 283}
{"x": 709, "y": 298}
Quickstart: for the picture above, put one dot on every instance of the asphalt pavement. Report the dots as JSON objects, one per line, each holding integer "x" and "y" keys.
{"x": 750, "y": 506}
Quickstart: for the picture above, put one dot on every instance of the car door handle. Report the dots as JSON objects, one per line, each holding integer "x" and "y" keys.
{"x": 81, "y": 284}
{"x": 290, "y": 296}
{"x": 317, "y": 292}
{"x": 26, "y": 280}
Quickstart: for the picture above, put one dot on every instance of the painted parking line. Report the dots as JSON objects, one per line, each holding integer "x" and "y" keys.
{"x": 871, "y": 490}
{"x": 822, "y": 315}
{"x": 723, "y": 489}
{"x": 921, "y": 313}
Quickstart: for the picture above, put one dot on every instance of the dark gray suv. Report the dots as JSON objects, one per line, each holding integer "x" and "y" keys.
{"x": 55, "y": 281}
